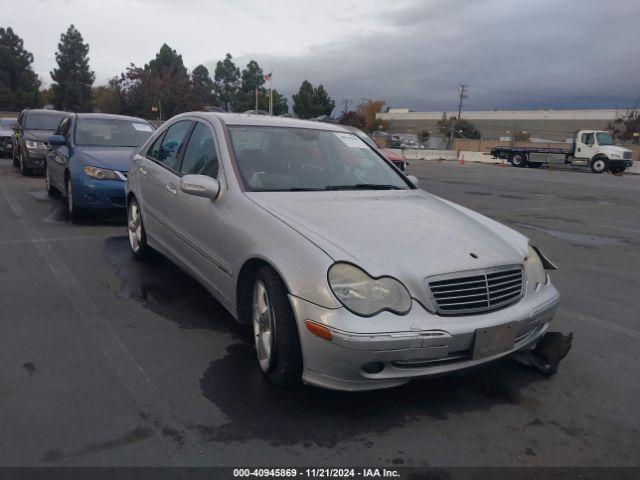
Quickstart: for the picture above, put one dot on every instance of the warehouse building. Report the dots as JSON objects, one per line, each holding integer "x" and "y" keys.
{"x": 543, "y": 125}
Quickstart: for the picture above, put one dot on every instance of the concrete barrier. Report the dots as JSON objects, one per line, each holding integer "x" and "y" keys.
{"x": 411, "y": 154}
{"x": 478, "y": 157}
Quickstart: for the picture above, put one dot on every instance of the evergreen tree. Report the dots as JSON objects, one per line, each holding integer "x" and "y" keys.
{"x": 73, "y": 78}
{"x": 202, "y": 86}
{"x": 227, "y": 83}
{"x": 312, "y": 102}
{"x": 18, "y": 82}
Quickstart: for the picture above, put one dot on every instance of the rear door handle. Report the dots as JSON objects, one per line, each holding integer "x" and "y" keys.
{"x": 172, "y": 189}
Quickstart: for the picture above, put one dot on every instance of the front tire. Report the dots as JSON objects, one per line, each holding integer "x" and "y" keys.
{"x": 51, "y": 190}
{"x": 598, "y": 164}
{"x": 275, "y": 331}
{"x": 74, "y": 212}
{"x": 23, "y": 169}
{"x": 137, "y": 235}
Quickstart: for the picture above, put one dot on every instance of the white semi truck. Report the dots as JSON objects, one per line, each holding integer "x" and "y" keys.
{"x": 592, "y": 148}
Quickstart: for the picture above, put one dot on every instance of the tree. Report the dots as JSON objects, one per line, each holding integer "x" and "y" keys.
{"x": 202, "y": 86}
{"x": 368, "y": 111}
{"x": 167, "y": 80}
{"x": 521, "y": 136}
{"x": 108, "y": 98}
{"x": 353, "y": 119}
{"x": 461, "y": 128}
{"x": 626, "y": 127}
{"x": 312, "y": 102}
{"x": 227, "y": 83}
{"x": 73, "y": 78}
{"x": 18, "y": 82}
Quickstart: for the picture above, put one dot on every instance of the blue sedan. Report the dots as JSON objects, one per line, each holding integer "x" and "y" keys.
{"x": 88, "y": 160}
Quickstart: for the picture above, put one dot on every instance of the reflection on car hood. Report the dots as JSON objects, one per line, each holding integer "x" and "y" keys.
{"x": 113, "y": 158}
{"x": 37, "y": 135}
{"x": 406, "y": 234}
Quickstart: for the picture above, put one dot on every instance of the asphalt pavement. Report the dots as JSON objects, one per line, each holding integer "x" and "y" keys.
{"x": 107, "y": 361}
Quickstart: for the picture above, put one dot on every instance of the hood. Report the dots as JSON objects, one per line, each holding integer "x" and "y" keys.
{"x": 408, "y": 234}
{"x": 113, "y": 158}
{"x": 614, "y": 149}
{"x": 391, "y": 155}
{"x": 37, "y": 135}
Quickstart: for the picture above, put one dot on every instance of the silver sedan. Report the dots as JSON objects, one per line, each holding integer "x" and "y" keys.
{"x": 351, "y": 277}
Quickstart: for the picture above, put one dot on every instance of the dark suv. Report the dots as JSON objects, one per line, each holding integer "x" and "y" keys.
{"x": 31, "y": 138}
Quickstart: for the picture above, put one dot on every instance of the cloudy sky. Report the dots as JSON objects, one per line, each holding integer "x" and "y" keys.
{"x": 511, "y": 53}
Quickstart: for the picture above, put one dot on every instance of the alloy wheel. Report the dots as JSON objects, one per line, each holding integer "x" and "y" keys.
{"x": 263, "y": 318}
{"x": 134, "y": 227}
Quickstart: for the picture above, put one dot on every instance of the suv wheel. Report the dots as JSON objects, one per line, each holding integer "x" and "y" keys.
{"x": 275, "y": 330}
{"x": 23, "y": 169}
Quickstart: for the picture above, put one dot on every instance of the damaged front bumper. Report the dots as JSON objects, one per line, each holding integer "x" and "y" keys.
{"x": 388, "y": 350}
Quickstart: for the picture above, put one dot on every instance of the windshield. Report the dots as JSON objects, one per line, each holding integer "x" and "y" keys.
{"x": 110, "y": 132}
{"x": 5, "y": 123}
{"x": 296, "y": 159}
{"x": 604, "y": 138}
{"x": 43, "y": 120}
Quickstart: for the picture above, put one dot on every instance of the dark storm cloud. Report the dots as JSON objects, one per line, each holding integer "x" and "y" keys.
{"x": 557, "y": 54}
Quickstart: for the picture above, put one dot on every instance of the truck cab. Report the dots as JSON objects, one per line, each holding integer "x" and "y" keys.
{"x": 596, "y": 149}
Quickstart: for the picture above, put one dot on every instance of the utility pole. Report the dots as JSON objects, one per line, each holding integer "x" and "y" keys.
{"x": 346, "y": 105}
{"x": 462, "y": 94}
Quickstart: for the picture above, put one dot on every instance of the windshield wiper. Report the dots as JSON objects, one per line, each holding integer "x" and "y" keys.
{"x": 363, "y": 186}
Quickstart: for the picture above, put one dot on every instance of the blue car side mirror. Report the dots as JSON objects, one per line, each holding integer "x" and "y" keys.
{"x": 57, "y": 140}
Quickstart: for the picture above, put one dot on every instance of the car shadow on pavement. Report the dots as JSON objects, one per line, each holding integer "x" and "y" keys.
{"x": 256, "y": 409}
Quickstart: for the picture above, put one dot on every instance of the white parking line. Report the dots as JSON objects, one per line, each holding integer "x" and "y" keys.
{"x": 132, "y": 375}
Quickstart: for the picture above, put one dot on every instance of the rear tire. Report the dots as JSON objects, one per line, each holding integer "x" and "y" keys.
{"x": 135, "y": 229}
{"x": 275, "y": 330}
{"x": 518, "y": 160}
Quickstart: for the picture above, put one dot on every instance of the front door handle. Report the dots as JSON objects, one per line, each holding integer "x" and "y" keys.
{"x": 172, "y": 189}
{"x": 143, "y": 170}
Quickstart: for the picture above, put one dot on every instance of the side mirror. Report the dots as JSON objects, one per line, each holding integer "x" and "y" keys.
{"x": 413, "y": 179}
{"x": 200, "y": 186}
{"x": 57, "y": 140}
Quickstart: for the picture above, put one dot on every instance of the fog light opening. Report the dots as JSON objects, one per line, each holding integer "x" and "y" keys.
{"x": 373, "y": 367}
{"x": 319, "y": 330}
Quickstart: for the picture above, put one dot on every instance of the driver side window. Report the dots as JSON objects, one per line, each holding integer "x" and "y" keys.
{"x": 587, "y": 139}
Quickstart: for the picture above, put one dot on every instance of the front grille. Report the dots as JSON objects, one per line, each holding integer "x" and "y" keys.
{"x": 627, "y": 155}
{"x": 476, "y": 291}
{"x": 5, "y": 140}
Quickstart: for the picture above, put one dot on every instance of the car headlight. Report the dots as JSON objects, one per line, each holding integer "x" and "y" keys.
{"x": 534, "y": 269}
{"x": 616, "y": 155}
{"x": 364, "y": 295}
{"x": 100, "y": 173}
{"x": 35, "y": 145}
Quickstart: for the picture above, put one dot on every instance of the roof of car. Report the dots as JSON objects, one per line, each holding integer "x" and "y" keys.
{"x": 267, "y": 121}
{"x": 109, "y": 115}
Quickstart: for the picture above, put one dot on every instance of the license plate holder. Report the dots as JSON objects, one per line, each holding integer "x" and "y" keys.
{"x": 490, "y": 341}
